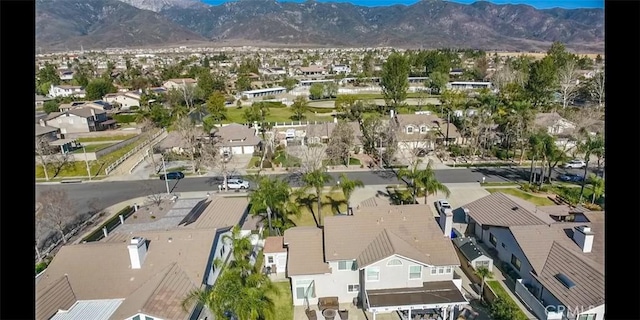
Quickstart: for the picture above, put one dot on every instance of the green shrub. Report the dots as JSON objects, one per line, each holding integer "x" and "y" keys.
{"x": 41, "y": 266}
{"x": 124, "y": 118}
{"x": 267, "y": 164}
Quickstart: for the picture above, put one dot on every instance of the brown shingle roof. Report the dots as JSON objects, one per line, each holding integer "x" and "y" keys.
{"x": 304, "y": 251}
{"x": 101, "y": 270}
{"x": 324, "y": 130}
{"x": 499, "y": 209}
{"x": 274, "y": 245}
{"x": 40, "y": 129}
{"x": 374, "y": 233}
{"x": 434, "y": 124}
{"x": 58, "y": 295}
{"x": 547, "y": 119}
{"x": 222, "y": 212}
{"x": 236, "y": 135}
{"x": 181, "y": 80}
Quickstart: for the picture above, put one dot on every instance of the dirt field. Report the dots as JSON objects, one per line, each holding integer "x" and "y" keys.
{"x": 540, "y": 55}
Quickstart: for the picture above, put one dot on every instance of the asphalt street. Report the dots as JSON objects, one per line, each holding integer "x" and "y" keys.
{"x": 93, "y": 196}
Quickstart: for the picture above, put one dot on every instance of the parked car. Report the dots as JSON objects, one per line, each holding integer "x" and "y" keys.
{"x": 569, "y": 177}
{"x": 237, "y": 184}
{"x": 575, "y": 164}
{"x": 174, "y": 175}
{"x": 442, "y": 205}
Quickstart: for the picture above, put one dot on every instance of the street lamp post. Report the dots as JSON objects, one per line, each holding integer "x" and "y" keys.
{"x": 86, "y": 161}
{"x": 164, "y": 168}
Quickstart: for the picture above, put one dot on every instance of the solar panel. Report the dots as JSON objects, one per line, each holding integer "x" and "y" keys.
{"x": 565, "y": 280}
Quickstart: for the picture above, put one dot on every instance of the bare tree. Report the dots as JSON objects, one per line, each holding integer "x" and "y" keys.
{"x": 568, "y": 81}
{"x": 56, "y": 211}
{"x": 597, "y": 89}
{"x": 506, "y": 75}
{"x": 311, "y": 157}
{"x": 188, "y": 93}
{"x": 339, "y": 148}
{"x": 190, "y": 137}
{"x": 59, "y": 162}
{"x": 411, "y": 151}
{"x": 269, "y": 144}
{"x": 43, "y": 151}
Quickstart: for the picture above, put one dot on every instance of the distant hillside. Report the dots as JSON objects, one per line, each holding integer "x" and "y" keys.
{"x": 426, "y": 24}
{"x": 62, "y": 24}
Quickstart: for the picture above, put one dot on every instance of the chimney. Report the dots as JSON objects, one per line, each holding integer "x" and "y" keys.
{"x": 42, "y": 124}
{"x": 392, "y": 113}
{"x": 446, "y": 222}
{"x": 137, "y": 252}
{"x": 93, "y": 112}
{"x": 583, "y": 236}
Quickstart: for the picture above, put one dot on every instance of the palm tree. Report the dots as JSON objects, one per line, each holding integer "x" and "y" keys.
{"x": 597, "y": 186}
{"x": 535, "y": 147}
{"x": 588, "y": 147}
{"x": 241, "y": 248}
{"x": 317, "y": 179}
{"x": 272, "y": 200}
{"x": 483, "y": 273}
{"x": 409, "y": 176}
{"x": 427, "y": 180}
{"x": 348, "y": 186}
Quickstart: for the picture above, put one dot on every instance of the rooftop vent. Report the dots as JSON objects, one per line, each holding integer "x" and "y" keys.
{"x": 514, "y": 208}
{"x": 565, "y": 280}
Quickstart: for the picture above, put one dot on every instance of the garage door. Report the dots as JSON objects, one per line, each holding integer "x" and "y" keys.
{"x": 236, "y": 150}
{"x": 248, "y": 150}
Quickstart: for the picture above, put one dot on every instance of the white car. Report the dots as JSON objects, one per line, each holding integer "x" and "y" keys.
{"x": 442, "y": 205}
{"x": 575, "y": 164}
{"x": 235, "y": 184}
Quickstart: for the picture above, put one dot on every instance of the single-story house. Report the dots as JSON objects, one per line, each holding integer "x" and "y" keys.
{"x": 179, "y": 83}
{"x": 237, "y": 139}
{"x": 126, "y": 100}
{"x": 554, "y": 124}
{"x": 474, "y": 255}
{"x": 56, "y": 91}
{"x": 321, "y": 132}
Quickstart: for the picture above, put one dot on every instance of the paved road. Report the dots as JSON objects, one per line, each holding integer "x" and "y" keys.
{"x": 89, "y": 196}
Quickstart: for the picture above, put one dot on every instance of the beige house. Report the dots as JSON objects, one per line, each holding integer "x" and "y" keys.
{"x": 554, "y": 124}
{"x": 423, "y": 131}
{"x": 385, "y": 258}
{"x": 321, "y": 133}
{"x": 179, "y": 83}
{"x": 237, "y": 139}
{"x": 141, "y": 270}
{"x": 557, "y": 253}
{"x": 126, "y": 100}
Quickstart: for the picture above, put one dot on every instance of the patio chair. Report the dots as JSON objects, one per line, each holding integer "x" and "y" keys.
{"x": 311, "y": 314}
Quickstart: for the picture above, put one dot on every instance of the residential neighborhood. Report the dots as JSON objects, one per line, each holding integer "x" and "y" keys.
{"x": 275, "y": 184}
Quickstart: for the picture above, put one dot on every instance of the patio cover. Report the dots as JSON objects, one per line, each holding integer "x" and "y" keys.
{"x": 431, "y": 295}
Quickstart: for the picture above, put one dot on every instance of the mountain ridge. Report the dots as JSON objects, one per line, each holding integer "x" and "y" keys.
{"x": 425, "y": 24}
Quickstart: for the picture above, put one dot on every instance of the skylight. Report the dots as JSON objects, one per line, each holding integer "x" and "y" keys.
{"x": 565, "y": 280}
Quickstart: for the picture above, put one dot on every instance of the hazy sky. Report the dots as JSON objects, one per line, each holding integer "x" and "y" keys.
{"x": 540, "y": 4}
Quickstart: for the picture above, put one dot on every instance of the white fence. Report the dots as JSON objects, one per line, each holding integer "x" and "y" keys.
{"x": 126, "y": 156}
{"x": 536, "y": 306}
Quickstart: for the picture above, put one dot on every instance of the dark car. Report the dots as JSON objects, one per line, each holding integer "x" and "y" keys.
{"x": 570, "y": 177}
{"x": 174, "y": 175}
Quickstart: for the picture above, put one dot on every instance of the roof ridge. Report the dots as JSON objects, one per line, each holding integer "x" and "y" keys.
{"x": 518, "y": 202}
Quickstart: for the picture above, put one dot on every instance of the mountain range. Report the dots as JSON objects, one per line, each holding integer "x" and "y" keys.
{"x": 98, "y": 24}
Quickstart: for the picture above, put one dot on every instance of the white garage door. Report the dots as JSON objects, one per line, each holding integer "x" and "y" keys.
{"x": 248, "y": 150}
{"x": 236, "y": 150}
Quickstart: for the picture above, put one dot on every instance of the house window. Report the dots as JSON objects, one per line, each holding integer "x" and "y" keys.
{"x": 148, "y": 318}
{"x": 493, "y": 239}
{"x": 409, "y": 129}
{"x": 440, "y": 270}
{"x": 270, "y": 259}
{"x": 353, "y": 288}
{"x": 482, "y": 264}
{"x": 415, "y": 272}
{"x": 434, "y": 270}
{"x": 448, "y": 270}
{"x": 373, "y": 274}
{"x": 423, "y": 129}
{"x": 346, "y": 265}
{"x": 305, "y": 288}
{"x": 515, "y": 262}
{"x": 394, "y": 263}
{"x": 587, "y": 317}
{"x": 137, "y": 317}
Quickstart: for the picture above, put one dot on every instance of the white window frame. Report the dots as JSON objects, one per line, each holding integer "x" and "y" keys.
{"x": 270, "y": 259}
{"x": 482, "y": 263}
{"x": 434, "y": 271}
{"x": 349, "y": 264}
{"x": 423, "y": 129}
{"x": 448, "y": 270}
{"x": 394, "y": 260}
{"x": 440, "y": 270}
{"x": 409, "y": 130}
{"x": 305, "y": 283}
{"x": 413, "y": 273}
{"x": 353, "y": 288}
{"x": 372, "y": 269}
{"x": 589, "y": 316}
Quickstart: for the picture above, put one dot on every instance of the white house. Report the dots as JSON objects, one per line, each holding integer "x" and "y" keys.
{"x": 386, "y": 258}
{"x": 554, "y": 123}
{"x": 341, "y": 68}
{"x": 126, "y": 100}
{"x": 250, "y": 94}
{"x": 557, "y": 253}
{"x": 56, "y": 91}
{"x": 66, "y": 75}
{"x": 275, "y": 255}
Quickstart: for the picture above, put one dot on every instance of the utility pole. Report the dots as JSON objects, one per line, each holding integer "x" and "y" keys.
{"x": 448, "y": 121}
{"x": 166, "y": 182}
{"x": 86, "y": 161}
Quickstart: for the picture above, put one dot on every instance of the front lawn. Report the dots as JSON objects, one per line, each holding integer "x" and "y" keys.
{"x": 283, "y": 301}
{"x": 93, "y": 147}
{"x": 107, "y": 138}
{"x": 537, "y": 200}
{"x": 331, "y": 203}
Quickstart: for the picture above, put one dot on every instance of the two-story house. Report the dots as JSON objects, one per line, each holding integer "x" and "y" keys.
{"x": 236, "y": 139}
{"x": 423, "y": 131}
{"x": 126, "y": 100}
{"x": 384, "y": 258}
{"x": 554, "y": 124}
{"x": 557, "y": 253}
{"x": 56, "y": 91}
{"x": 78, "y": 120}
